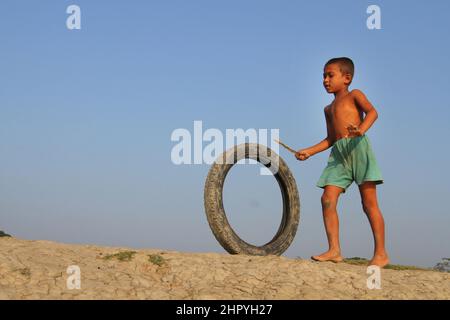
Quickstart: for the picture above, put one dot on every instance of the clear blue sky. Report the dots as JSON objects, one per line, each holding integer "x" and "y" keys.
{"x": 86, "y": 118}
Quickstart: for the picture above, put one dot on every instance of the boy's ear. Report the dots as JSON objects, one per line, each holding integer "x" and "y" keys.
{"x": 348, "y": 78}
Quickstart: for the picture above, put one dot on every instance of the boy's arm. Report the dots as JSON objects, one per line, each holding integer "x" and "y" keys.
{"x": 364, "y": 104}
{"x": 304, "y": 154}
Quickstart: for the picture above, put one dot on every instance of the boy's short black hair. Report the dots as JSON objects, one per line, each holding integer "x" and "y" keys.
{"x": 345, "y": 64}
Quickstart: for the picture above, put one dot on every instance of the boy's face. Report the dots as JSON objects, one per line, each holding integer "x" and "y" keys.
{"x": 333, "y": 79}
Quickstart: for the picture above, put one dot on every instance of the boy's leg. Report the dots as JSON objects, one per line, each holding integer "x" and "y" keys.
{"x": 330, "y": 218}
{"x": 369, "y": 201}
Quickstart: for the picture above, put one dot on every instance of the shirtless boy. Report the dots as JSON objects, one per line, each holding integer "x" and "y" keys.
{"x": 351, "y": 158}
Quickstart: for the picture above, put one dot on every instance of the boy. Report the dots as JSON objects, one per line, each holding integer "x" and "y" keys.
{"x": 351, "y": 158}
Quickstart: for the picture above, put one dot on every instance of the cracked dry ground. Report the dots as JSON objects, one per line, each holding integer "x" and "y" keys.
{"x": 38, "y": 270}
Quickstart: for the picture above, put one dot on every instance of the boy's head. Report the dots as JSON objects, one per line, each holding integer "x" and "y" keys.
{"x": 337, "y": 73}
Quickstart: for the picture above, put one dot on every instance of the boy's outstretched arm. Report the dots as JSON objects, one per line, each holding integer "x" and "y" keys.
{"x": 304, "y": 154}
{"x": 370, "y": 112}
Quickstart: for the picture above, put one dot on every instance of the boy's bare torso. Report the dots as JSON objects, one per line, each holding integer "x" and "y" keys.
{"x": 342, "y": 112}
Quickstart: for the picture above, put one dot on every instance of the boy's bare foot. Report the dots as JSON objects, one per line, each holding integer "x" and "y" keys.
{"x": 379, "y": 260}
{"x": 332, "y": 256}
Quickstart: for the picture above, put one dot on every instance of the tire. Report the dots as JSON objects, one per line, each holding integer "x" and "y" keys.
{"x": 215, "y": 212}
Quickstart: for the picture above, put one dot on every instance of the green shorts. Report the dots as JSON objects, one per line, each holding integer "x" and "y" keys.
{"x": 351, "y": 159}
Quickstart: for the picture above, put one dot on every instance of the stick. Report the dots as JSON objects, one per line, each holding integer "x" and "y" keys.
{"x": 285, "y": 146}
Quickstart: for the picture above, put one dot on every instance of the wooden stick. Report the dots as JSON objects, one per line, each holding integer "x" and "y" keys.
{"x": 285, "y": 146}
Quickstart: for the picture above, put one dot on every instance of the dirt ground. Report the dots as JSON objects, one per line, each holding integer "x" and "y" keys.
{"x": 39, "y": 270}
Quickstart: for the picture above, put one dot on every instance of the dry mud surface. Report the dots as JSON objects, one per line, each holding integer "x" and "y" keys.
{"x": 38, "y": 270}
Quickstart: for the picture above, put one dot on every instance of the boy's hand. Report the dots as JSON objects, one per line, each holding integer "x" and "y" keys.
{"x": 302, "y": 155}
{"x": 354, "y": 130}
